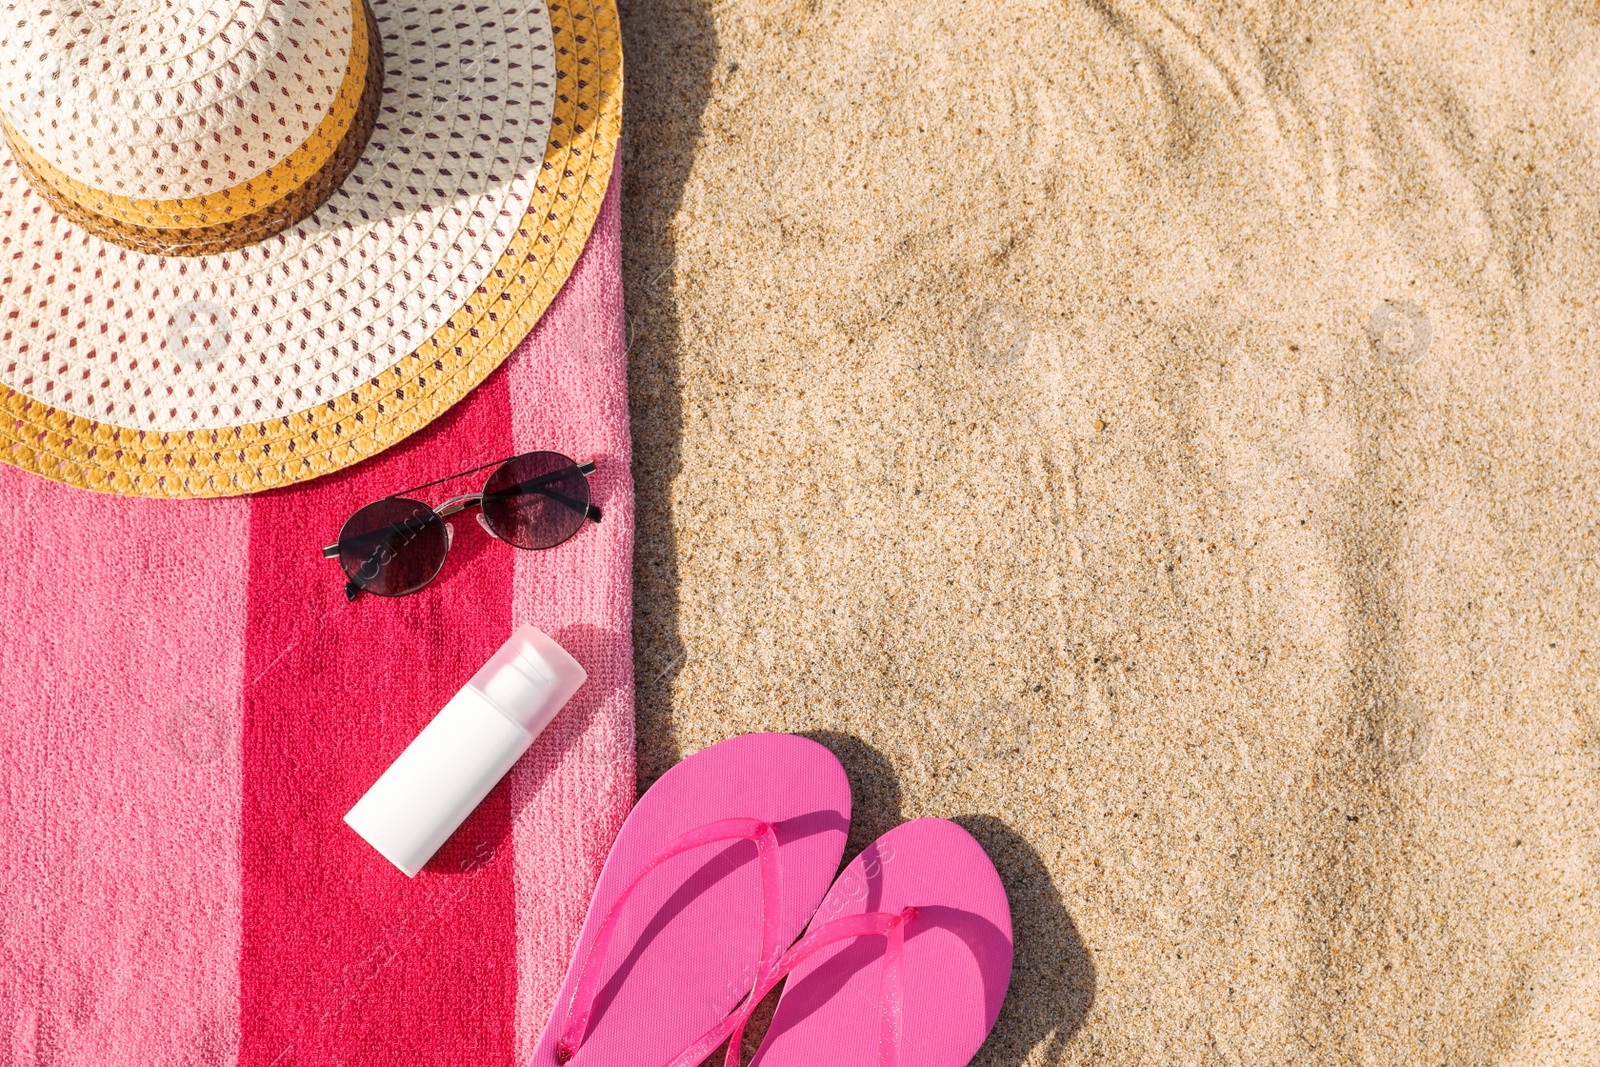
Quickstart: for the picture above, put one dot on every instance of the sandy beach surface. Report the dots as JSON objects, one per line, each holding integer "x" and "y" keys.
{"x": 1161, "y": 438}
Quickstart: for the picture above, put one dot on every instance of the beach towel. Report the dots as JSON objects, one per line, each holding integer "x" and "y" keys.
{"x": 189, "y": 705}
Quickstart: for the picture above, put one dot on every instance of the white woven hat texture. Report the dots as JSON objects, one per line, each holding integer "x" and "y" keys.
{"x": 131, "y": 97}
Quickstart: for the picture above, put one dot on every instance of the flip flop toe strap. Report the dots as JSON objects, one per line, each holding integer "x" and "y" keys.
{"x": 581, "y": 1007}
{"x": 891, "y": 993}
{"x": 891, "y": 988}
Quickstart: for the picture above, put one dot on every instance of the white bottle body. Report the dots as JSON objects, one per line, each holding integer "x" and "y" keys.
{"x": 447, "y": 770}
{"x": 428, "y": 792}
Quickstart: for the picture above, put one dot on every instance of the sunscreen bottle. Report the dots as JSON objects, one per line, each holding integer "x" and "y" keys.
{"x": 469, "y": 746}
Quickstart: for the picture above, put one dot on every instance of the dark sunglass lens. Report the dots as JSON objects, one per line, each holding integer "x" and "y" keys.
{"x": 537, "y": 500}
{"x": 393, "y": 547}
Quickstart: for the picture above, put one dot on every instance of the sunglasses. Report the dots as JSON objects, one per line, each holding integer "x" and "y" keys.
{"x": 398, "y": 545}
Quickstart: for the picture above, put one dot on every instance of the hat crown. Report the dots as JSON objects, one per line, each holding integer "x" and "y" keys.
{"x": 167, "y": 99}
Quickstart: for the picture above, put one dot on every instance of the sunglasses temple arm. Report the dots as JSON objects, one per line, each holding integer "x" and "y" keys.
{"x": 542, "y": 480}
{"x": 537, "y": 485}
{"x": 351, "y": 589}
{"x": 588, "y": 511}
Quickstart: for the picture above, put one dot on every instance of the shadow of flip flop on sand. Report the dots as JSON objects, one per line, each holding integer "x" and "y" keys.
{"x": 1052, "y": 975}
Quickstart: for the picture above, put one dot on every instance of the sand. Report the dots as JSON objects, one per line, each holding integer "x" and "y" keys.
{"x": 1159, "y": 437}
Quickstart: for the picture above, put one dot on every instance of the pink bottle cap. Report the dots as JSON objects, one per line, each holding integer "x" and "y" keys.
{"x": 529, "y": 679}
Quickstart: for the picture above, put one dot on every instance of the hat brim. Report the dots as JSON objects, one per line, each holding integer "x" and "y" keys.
{"x": 402, "y": 398}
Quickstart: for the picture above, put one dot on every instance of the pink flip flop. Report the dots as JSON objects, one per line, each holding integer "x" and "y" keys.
{"x": 715, "y": 872}
{"x": 906, "y": 962}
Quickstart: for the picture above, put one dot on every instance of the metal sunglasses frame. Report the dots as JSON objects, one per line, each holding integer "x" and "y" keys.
{"x": 454, "y": 506}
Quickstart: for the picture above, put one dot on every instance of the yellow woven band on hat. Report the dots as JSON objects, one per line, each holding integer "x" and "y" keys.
{"x": 244, "y": 213}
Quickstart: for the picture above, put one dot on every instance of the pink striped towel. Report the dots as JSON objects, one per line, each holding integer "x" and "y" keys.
{"x": 188, "y": 706}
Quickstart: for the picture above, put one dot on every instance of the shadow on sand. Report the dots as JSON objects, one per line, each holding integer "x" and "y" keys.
{"x": 1052, "y": 976}
{"x": 671, "y": 54}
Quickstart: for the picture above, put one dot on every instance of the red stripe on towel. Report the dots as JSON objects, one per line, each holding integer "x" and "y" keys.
{"x": 344, "y": 960}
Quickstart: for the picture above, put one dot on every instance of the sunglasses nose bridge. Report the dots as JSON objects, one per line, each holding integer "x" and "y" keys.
{"x": 458, "y": 503}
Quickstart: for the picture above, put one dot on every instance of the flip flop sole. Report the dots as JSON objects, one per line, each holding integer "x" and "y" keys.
{"x": 957, "y": 963}
{"x": 687, "y": 941}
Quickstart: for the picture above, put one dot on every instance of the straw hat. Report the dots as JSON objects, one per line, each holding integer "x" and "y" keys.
{"x": 247, "y": 242}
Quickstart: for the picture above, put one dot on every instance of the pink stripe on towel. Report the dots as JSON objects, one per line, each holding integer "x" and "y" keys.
{"x": 120, "y": 674}
{"x": 569, "y": 387}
